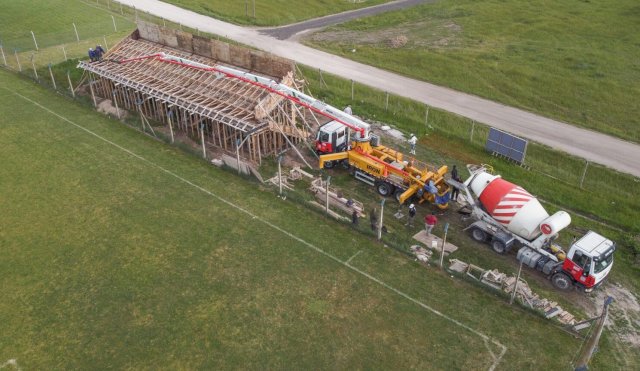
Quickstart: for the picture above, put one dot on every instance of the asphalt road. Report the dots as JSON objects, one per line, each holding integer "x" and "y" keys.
{"x": 285, "y": 32}
{"x": 596, "y": 147}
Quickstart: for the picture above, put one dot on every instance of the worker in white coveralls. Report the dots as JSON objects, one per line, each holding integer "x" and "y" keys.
{"x": 348, "y": 110}
{"x": 412, "y": 141}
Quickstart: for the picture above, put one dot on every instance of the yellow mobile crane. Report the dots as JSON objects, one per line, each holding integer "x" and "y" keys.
{"x": 380, "y": 166}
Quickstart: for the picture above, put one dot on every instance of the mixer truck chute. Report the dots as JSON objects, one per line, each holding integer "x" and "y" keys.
{"x": 508, "y": 216}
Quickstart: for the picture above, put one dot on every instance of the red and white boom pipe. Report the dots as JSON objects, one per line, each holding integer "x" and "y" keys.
{"x": 297, "y": 97}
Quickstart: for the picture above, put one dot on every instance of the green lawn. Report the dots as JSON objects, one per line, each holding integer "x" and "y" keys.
{"x": 577, "y": 61}
{"x": 122, "y": 252}
{"x": 271, "y": 12}
{"x": 52, "y": 23}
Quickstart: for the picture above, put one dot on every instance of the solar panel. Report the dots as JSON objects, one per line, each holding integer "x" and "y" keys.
{"x": 505, "y": 144}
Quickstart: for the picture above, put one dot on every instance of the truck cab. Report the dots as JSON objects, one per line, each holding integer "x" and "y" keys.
{"x": 589, "y": 260}
{"x": 332, "y": 137}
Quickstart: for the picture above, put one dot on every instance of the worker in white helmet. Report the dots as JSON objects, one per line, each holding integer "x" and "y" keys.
{"x": 412, "y": 215}
{"x": 412, "y": 142}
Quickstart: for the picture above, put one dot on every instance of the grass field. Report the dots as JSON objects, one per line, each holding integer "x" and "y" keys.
{"x": 577, "y": 61}
{"x": 271, "y": 12}
{"x": 52, "y": 23}
{"x": 121, "y": 252}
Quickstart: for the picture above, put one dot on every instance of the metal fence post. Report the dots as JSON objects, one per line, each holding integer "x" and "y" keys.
{"x": 106, "y": 46}
{"x": 584, "y": 173}
{"x": 515, "y": 285}
{"x": 473, "y": 126}
{"x": 4, "y": 59}
{"x": 15, "y": 51}
{"x": 115, "y": 29}
{"x": 381, "y": 219}
{"x": 327, "y": 194}
{"x": 33, "y": 64}
{"x": 55, "y": 87}
{"x": 64, "y": 51}
{"x": 352, "y": 88}
{"x": 426, "y": 118}
{"x": 73, "y": 93}
{"x": 75, "y": 29}
{"x": 34, "y": 40}
{"x": 386, "y": 102}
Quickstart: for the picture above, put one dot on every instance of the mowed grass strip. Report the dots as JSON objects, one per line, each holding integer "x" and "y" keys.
{"x": 109, "y": 261}
{"x": 271, "y": 12}
{"x": 577, "y": 61}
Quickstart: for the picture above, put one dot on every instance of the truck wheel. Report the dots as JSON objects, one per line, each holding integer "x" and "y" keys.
{"x": 478, "y": 234}
{"x": 345, "y": 164}
{"x": 398, "y": 193}
{"x": 498, "y": 246}
{"x": 561, "y": 281}
{"x": 384, "y": 189}
{"x": 329, "y": 164}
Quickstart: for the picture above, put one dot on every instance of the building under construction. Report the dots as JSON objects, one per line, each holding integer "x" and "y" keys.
{"x": 229, "y": 114}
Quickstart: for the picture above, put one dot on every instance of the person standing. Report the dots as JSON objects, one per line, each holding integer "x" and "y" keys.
{"x": 354, "y": 217}
{"x": 412, "y": 142}
{"x": 412, "y": 215}
{"x": 455, "y": 191}
{"x": 99, "y": 52}
{"x": 92, "y": 55}
{"x": 430, "y": 222}
{"x": 348, "y": 110}
{"x": 373, "y": 218}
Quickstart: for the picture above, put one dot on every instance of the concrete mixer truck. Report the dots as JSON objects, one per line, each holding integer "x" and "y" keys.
{"x": 506, "y": 216}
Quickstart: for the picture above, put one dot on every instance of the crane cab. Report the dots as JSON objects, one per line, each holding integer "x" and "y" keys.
{"x": 332, "y": 137}
{"x": 589, "y": 260}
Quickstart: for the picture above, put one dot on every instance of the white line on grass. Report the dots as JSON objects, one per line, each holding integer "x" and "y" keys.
{"x": 486, "y": 339}
{"x": 353, "y": 256}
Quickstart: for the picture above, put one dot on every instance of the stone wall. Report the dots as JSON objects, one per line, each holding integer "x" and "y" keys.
{"x": 253, "y": 60}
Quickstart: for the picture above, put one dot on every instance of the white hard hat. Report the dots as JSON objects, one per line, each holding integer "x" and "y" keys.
{"x": 412, "y": 206}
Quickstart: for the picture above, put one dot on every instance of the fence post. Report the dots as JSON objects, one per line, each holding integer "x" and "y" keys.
{"x": 121, "y": 11}
{"x": 254, "y": 9}
{"x": 135, "y": 10}
{"x": 64, "y": 51}
{"x": 426, "y": 119}
{"x": 34, "y": 40}
{"x": 386, "y": 102}
{"x": 115, "y": 102}
{"x": 106, "y": 46}
{"x": 515, "y": 285}
{"x": 4, "y": 59}
{"x": 473, "y": 126}
{"x": 73, "y": 93}
{"x": 381, "y": 219}
{"x": 352, "y": 88}
{"x": 75, "y": 29}
{"x": 55, "y": 87}
{"x": 93, "y": 96}
{"x": 327, "y": 194}
{"x": 33, "y": 64}
{"x": 204, "y": 149}
{"x": 322, "y": 78}
{"x": 115, "y": 29}
{"x": 164, "y": 23}
{"x": 584, "y": 173}
{"x": 15, "y": 51}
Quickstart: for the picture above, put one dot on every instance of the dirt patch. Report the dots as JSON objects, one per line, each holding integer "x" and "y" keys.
{"x": 427, "y": 33}
{"x": 624, "y": 313}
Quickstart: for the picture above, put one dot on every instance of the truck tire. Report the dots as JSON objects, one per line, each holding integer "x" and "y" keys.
{"x": 561, "y": 281}
{"x": 329, "y": 164}
{"x": 478, "y": 234}
{"x": 384, "y": 189}
{"x": 398, "y": 193}
{"x": 345, "y": 164}
{"x": 498, "y": 246}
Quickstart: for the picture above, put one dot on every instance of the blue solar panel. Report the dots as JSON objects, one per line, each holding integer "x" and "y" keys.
{"x": 507, "y": 145}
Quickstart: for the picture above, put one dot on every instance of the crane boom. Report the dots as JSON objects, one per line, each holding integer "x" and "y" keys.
{"x": 360, "y": 127}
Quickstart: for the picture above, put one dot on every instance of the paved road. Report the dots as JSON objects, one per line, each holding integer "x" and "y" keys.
{"x": 596, "y": 147}
{"x": 285, "y": 32}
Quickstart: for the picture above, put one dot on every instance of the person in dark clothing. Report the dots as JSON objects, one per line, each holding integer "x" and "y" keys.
{"x": 354, "y": 217}
{"x": 455, "y": 191}
{"x": 99, "y": 52}
{"x": 412, "y": 215}
{"x": 373, "y": 217}
{"x": 92, "y": 55}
